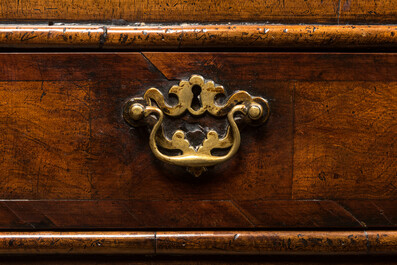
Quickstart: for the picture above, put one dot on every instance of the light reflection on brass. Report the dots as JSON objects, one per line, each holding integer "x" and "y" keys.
{"x": 255, "y": 110}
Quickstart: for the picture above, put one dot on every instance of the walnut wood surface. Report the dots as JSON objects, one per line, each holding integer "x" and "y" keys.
{"x": 326, "y": 158}
{"x": 199, "y": 36}
{"x": 333, "y": 141}
{"x": 201, "y": 243}
{"x": 276, "y": 242}
{"x": 289, "y": 11}
{"x": 203, "y": 259}
{"x": 77, "y": 243}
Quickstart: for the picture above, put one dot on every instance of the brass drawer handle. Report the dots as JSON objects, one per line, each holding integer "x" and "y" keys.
{"x": 255, "y": 111}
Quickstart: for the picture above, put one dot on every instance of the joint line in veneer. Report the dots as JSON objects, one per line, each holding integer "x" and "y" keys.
{"x": 154, "y": 66}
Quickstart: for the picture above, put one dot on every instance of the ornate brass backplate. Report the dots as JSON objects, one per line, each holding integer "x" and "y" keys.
{"x": 254, "y": 110}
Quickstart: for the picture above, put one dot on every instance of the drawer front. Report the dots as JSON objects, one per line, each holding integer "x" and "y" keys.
{"x": 326, "y": 158}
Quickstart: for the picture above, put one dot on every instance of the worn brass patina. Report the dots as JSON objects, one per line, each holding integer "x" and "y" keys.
{"x": 255, "y": 110}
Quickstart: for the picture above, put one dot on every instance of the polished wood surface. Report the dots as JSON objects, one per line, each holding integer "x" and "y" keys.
{"x": 289, "y": 11}
{"x": 201, "y": 243}
{"x": 316, "y": 184}
{"x": 344, "y": 136}
{"x": 325, "y": 159}
{"x": 138, "y": 243}
{"x": 199, "y": 36}
{"x": 277, "y": 242}
{"x": 214, "y": 214}
{"x": 202, "y": 259}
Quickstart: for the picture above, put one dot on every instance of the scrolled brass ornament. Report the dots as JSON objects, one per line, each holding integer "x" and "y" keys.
{"x": 255, "y": 111}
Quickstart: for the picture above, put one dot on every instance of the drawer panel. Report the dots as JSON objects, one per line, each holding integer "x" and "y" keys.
{"x": 325, "y": 158}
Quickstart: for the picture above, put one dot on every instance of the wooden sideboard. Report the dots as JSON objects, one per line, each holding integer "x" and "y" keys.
{"x": 88, "y": 179}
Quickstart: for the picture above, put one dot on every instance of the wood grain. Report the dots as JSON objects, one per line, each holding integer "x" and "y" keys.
{"x": 173, "y": 11}
{"x": 116, "y": 160}
{"x": 199, "y": 36}
{"x": 151, "y": 214}
{"x": 69, "y": 161}
{"x": 369, "y": 213}
{"x": 345, "y": 140}
{"x": 279, "y": 66}
{"x": 275, "y": 242}
{"x": 127, "y": 11}
{"x": 77, "y": 243}
{"x": 203, "y": 259}
{"x": 200, "y": 242}
{"x": 200, "y": 214}
{"x": 367, "y": 11}
{"x": 305, "y": 214}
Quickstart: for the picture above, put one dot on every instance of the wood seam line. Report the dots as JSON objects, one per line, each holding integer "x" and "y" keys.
{"x": 368, "y": 241}
{"x": 338, "y": 12}
{"x": 201, "y": 242}
{"x": 293, "y": 82}
{"x": 155, "y": 243}
{"x": 199, "y": 36}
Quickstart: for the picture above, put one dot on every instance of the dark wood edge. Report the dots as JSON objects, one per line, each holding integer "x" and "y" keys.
{"x": 201, "y": 242}
{"x": 167, "y": 215}
{"x": 199, "y": 36}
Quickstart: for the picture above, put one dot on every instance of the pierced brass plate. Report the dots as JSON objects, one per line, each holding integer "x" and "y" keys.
{"x": 255, "y": 111}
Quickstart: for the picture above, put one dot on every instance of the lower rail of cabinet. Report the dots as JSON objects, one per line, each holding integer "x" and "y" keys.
{"x": 201, "y": 242}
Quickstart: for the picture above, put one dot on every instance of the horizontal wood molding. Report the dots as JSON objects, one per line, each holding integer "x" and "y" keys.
{"x": 201, "y": 242}
{"x": 199, "y": 36}
{"x": 77, "y": 243}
